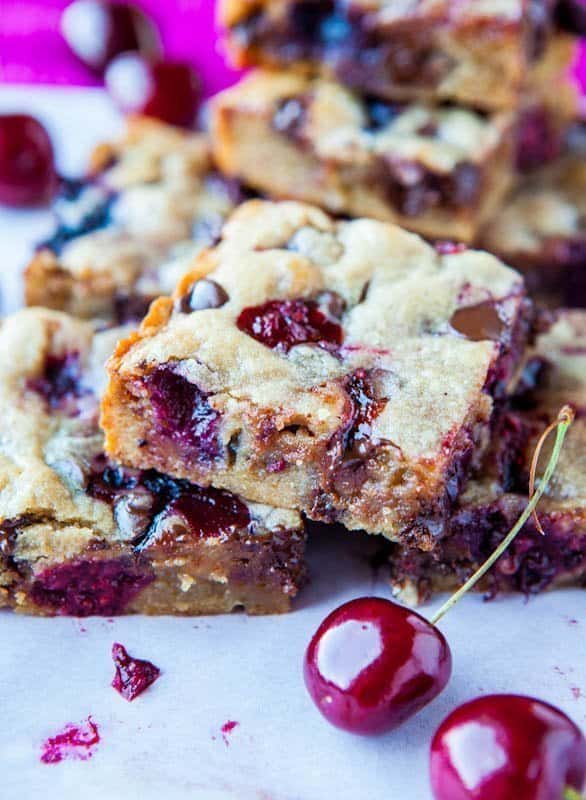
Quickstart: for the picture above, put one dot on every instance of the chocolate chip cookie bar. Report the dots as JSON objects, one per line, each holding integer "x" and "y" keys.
{"x": 128, "y": 232}
{"x": 345, "y": 369}
{"x": 440, "y": 172}
{"x": 494, "y": 500}
{"x": 484, "y": 54}
{"x": 541, "y": 231}
{"x": 81, "y": 535}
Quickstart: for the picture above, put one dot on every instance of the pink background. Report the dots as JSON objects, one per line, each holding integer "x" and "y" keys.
{"x": 32, "y": 50}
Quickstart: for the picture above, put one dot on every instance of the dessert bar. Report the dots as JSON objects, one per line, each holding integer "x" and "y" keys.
{"x": 483, "y": 54}
{"x": 439, "y": 171}
{"x": 128, "y": 232}
{"x": 541, "y": 230}
{"x": 494, "y": 500}
{"x": 345, "y": 369}
{"x": 80, "y": 535}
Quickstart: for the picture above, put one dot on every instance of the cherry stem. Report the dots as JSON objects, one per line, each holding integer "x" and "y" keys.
{"x": 572, "y": 794}
{"x": 564, "y": 420}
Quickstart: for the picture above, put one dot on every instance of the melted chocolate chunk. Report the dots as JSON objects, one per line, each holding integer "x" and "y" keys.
{"x": 364, "y": 408}
{"x": 203, "y": 294}
{"x": 479, "y": 322}
{"x": 283, "y": 324}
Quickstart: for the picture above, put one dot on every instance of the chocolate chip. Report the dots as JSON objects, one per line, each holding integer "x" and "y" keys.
{"x": 332, "y": 304}
{"x": 478, "y": 322}
{"x": 202, "y": 295}
{"x": 290, "y": 116}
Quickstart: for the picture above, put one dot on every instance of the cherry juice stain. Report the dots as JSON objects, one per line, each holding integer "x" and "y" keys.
{"x": 74, "y": 742}
{"x": 227, "y": 729}
{"x": 133, "y": 675}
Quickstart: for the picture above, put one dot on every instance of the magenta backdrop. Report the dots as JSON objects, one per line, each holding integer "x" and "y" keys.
{"x": 32, "y": 50}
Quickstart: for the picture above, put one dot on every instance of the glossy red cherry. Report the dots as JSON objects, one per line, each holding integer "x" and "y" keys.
{"x": 27, "y": 167}
{"x": 167, "y": 90}
{"x": 98, "y": 31}
{"x": 373, "y": 663}
{"x": 502, "y": 747}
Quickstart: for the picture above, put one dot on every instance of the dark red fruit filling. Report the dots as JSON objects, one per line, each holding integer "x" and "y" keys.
{"x": 97, "y": 31}
{"x": 167, "y": 90}
{"x": 80, "y": 207}
{"x": 154, "y": 509}
{"x": 364, "y": 408}
{"x": 60, "y": 381}
{"x": 133, "y": 675}
{"x": 76, "y": 741}
{"x": 90, "y": 588}
{"x": 183, "y": 414}
{"x": 27, "y": 169}
{"x": 537, "y": 139}
{"x": 283, "y": 324}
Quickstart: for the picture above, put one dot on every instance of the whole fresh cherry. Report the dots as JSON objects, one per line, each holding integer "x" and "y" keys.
{"x": 168, "y": 90}
{"x": 27, "y": 167}
{"x": 373, "y": 663}
{"x": 507, "y": 747}
{"x": 98, "y": 31}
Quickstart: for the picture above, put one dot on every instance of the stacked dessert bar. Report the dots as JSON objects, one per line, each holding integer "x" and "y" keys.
{"x": 127, "y": 231}
{"x": 295, "y": 366}
{"x": 414, "y": 112}
{"x": 81, "y": 535}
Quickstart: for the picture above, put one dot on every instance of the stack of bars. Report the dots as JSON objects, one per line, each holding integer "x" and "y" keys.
{"x": 437, "y": 115}
{"x": 296, "y": 369}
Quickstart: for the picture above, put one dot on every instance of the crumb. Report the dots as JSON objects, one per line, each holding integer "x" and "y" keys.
{"x": 227, "y": 729}
{"x": 75, "y": 741}
{"x": 133, "y": 675}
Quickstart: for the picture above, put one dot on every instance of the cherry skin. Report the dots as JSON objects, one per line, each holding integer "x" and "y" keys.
{"x": 27, "y": 167}
{"x": 168, "y": 90}
{"x": 373, "y": 663}
{"x": 507, "y": 746}
{"x": 97, "y": 31}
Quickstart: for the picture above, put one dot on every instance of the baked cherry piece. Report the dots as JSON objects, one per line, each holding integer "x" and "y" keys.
{"x": 133, "y": 675}
{"x": 97, "y": 31}
{"x": 502, "y": 747}
{"x": 27, "y": 167}
{"x": 167, "y": 90}
{"x": 373, "y": 663}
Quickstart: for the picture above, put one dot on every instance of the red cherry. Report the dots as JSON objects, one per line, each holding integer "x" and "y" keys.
{"x": 97, "y": 31}
{"x": 27, "y": 168}
{"x": 501, "y": 747}
{"x": 164, "y": 89}
{"x": 372, "y": 664}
